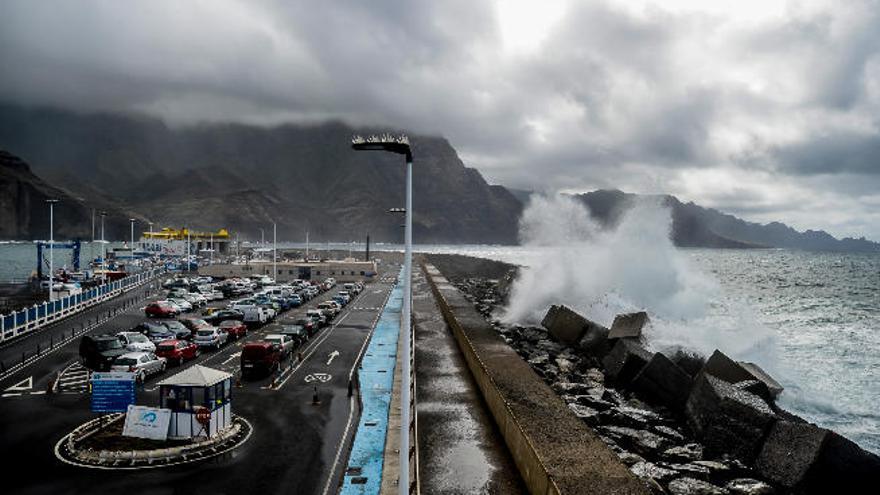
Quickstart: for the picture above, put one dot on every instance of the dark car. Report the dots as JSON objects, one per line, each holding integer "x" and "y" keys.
{"x": 179, "y": 329}
{"x": 224, "y": 314}
{"x": 146, "y": 326}
{"x": 97, "y": 352}
{"x": 260, "y": 358}
{"x": 177, "y": 351}
{"x": 235, "y": 328}
{"x": 307, "y": 323}
{"x": 295, "y": 332}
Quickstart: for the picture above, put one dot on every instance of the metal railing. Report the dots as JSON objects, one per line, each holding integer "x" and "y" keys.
{"x": 34, "y": 317}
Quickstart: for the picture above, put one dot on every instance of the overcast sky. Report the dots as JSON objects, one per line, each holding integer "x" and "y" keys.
{"x": 766, "y": 109}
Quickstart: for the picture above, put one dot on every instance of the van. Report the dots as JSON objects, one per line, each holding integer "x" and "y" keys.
{"x": 260, "y": 358}
{"x": 98, "y": 352}
{"x": 253, "y": 315}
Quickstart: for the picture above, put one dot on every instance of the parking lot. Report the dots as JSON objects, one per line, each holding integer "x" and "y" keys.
{"x": 296, "y": 446}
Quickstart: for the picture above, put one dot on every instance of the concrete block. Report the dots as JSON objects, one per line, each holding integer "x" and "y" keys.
{"x": 595, "y": 340}
{"x": 628, "y": 326}
{"x": 563, "y": 324}
{"x": 772, "y": 385}
{"x": 625, "y": 360}
{"x": 664, "y": 382}
{"x": 807, "y": 459}
{"x": 726, "y": 419}
{"x": 721, "y": 366}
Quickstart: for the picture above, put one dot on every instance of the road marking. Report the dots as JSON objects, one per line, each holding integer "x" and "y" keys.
{"x": 233, "y": 356}
{"x": 332, "y": 356}
{"x": 318, "y": 377}
{"x": 11, "y": 395}
{"x": 26, "y": 384}
{"x": 316, "y": 344}
{"x": 341, "y": 444}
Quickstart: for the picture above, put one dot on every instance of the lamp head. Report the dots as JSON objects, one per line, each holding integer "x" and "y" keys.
{"x": 383, "y": 142}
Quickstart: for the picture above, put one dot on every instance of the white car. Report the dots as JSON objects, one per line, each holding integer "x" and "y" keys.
{"x": 182, "y": 304}
{"x": 136, "y": 342}
{"x": 284, "y": 341}
{"x": 143, "y": 364}
{"x": 210, "y": 337}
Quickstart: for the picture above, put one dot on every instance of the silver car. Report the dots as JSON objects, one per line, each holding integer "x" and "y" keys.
{"x": 143, "y": 364}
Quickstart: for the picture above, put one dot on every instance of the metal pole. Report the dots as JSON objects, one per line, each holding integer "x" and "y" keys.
{"x": 407, "y": 320}
{"x": 307, "y": 245}
{"x": 51, "y": 246}
{"x": 103, "y": 251}
{"x": 132, "y": 236}
{"x": 212, "y": 249}
{"x": 274, "y": 252}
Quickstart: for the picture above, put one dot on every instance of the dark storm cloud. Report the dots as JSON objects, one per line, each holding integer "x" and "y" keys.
{"x": 748, "y": 105}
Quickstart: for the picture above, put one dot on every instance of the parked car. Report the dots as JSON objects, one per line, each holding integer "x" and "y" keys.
{"x": 308, "y": 324}
{"x": 160, "y": 309}
{"x": 179, "y": 329}
{"x": 182, "y": 303}
{"x": 235, "y": 328}
{"x": 329, "y": 309}
{"x": 285, "y": 341}
{"x": 194, "y": 323}
{"x": 295, "y": 300}
{"x": 143, "y": 364}
{"x": 177, "y": 351}
{"x": 342, "y": 300}
{"x": 211, "y": 337}
{"x": 97, "y": 352}
{"x": 318, "y": 316}
{"x": 159, "y": 333}
{"x": 224, "y": 314}
{"x": 136, "y": 342}
{"x": 260, "y": 358}
{"x": 295, "y": 332}
{"x": 346, "y": 295}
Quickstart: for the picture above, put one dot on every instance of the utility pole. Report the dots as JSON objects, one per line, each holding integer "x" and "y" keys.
{"x": 274, "y": 252}
{"x": 132, "y": 236}
{"x": 307, "y": 245}
{"x": 103, "y": 250}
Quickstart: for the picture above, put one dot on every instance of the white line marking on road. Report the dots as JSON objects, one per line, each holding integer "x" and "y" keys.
{"x": 332, "y": 356}
{"x": 26, "y": 384}
{"x": 11, "y": 395}
{"x": 341, "y": 444}
{"x": 38, "y": 392}
{"x": 233, "y": 356}
{"x": 307, "y": 356}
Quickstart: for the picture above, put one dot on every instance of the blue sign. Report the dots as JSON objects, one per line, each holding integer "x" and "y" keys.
{"x": 112, "y": 392}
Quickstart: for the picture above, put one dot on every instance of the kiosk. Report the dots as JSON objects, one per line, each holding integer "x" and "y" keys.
{"x": 200, "y": 401}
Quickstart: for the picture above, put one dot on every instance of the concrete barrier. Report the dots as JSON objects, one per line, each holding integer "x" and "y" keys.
{"x": 555, "y": 452}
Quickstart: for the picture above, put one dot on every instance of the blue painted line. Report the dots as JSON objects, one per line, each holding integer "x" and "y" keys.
{"x": 364, "y": 472}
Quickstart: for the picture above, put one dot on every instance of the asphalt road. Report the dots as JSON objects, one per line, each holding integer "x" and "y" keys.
{"x": 296, "y": 446}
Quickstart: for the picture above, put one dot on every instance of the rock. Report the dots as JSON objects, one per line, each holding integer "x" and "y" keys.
{"x": 549, "y": 346}
{"x": 643, "y": 442}
{"x": 629, "y": 458}
{"x": 748, "y": 486}
{"x": 662, "y": 381}
{"x": 691, "y": 469}
{"x": 539, "y": 359}
{"x": 726, "y": 419}
{"x": 721, "y": 366}
{"x": 688, "y": 360}
{"x": 588, "y": 414}
{"x": 595, "y": 375}
{"x": 692, "y": 486}
{"x": 756, "y": 387}
{"x": 625, "y": 361}
{"x": 687, "y": 452}
{"x": 594, "y": 402}
{"x": 563, "y": 324}
{"x": 669, "y": 432}
{"x": 713, "y": 466}
{"x": 628, "y": 326}
{"x": 809, "y": 459}
{"x": 565, "y": 366}
{"x": 570, "y": 388}
{"x": 648, "y": 470}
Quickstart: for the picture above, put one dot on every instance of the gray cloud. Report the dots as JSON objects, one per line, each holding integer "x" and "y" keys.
{"x": 752, "y": 113}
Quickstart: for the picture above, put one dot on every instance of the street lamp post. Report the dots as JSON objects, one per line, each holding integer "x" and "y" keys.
{"x": 51, "y": 246}
{"x": 132, "y": 236}
{"x": 274, "y": 252}
{"x": 103, "y": 250}
{"x": 400, "y": 145}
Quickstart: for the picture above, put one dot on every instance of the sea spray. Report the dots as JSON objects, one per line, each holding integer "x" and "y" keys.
{"x": 630, "y": 266}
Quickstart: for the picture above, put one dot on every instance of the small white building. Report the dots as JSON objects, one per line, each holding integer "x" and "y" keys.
{"x": 192, "y": 389}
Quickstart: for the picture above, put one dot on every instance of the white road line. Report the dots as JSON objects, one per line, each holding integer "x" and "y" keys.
{"x": 314, "y": 348}
{"x": 341, "y": 444}
{"x": 11, "y": 395}
{"x": 233, "y": 356}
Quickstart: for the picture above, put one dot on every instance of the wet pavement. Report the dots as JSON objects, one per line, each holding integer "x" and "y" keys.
{"x": 460, "y": 448}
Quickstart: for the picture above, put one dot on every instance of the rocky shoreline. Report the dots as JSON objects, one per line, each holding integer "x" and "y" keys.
{"x": 671, "y": 419}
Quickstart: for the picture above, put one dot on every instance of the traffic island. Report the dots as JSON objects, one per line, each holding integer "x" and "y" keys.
{"x": 99, "y": 443}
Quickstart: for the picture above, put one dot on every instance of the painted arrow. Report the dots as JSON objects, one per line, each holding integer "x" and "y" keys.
{"x": 332, "y": 355}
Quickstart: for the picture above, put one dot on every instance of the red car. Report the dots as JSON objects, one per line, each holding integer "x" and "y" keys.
{"x": 177, "y": 351}
{"x": 160, "y": 309}
{"x": 194, "y": 323}
{"x": 234, "y": 328}
{"x": 260, "y": 358}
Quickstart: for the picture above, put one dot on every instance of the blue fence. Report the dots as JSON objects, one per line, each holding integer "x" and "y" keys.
{"x": 35, "y": 317}
{"x": 376, "y": 376}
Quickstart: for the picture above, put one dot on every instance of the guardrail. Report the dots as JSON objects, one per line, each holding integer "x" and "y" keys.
{"x": 37, "y": 316}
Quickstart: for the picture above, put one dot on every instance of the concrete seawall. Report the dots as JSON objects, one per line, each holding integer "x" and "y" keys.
{"x": 553, "y": 450}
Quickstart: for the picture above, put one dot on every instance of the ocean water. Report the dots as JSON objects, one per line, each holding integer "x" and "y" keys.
{"x": 18, "y": 259}
{"x": 810, "y": 319}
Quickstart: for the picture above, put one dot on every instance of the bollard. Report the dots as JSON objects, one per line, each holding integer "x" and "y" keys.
{"x": 315, "y": 400}
{"x": 22, "y": 358}
{"x": 349, "y": 388}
